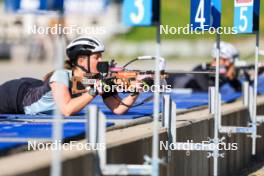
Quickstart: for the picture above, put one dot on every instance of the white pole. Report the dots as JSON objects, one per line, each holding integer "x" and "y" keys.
{"x": 216, "y": 114}
{"x": 255, "y": 93}
{"x": 57, "y": 132}
{"x": 246, "y": 93}
{"x": 251, "y": 102}
{"x": 101, "y": 141}
{"x": 155, "y": 142}
{"x": 166, "y": 110}
{"x": 211, "y": 100}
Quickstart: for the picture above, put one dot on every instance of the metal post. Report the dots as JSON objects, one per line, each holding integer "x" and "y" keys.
{"x": 173, "y": 121}
{"x": 92, "y": 125}
{"x": 57, "y": 130}
{"x": 101, "y": 140}
{"x": 95, "y": 136}
{"x": 216, "y": 114}
{"x": 97, "y": 132}
{"x": 254, "y": 117}
{"x": 189, "y": 145}
{"x": 166, "y": 111}
{"x": 220, "y": 111}
{"x": 211, "y": 100}
{"x": 246, "y": 93}
{"x": 169, "y": 118}
{"x": 251, "y": 104}
{"x": 155, "y": 142}
{"x": 166, "y": 121}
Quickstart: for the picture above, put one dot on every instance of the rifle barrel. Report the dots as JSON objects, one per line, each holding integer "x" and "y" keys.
{"x": 190, "y": 72}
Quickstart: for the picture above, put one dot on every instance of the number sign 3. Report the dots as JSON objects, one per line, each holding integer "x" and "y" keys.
{"x": 140, "y": 12}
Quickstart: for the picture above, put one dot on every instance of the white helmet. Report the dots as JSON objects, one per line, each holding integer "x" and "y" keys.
{"x": 85, "y": 46}
{"x": 227, "y": 51}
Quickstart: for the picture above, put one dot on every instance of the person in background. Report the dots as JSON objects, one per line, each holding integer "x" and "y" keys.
{"x": 228, "y": 72}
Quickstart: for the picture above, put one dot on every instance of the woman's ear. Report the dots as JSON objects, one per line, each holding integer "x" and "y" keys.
{"x": 80, "y": 60}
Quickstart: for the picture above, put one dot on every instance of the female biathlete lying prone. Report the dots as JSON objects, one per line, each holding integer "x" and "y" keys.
{"x": 32, "y": 96}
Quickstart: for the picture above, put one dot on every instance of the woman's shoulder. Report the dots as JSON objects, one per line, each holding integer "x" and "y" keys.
{"x": 62, "y": 71}
{"x": 61, "y": 76}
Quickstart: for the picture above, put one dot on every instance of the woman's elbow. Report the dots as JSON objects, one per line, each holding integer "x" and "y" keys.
{"x": 119, "y": 111}
{"x": 67, "y": 112}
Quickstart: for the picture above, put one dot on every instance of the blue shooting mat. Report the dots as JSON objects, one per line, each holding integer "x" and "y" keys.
{"x": 188, "y": 101}
{"x": 184, "y": 101}
{"x": 261, "y": 84}
{"x": 10, "y": 145}
{"x": 43, "y": 130}
{"x": 37, "y": 131}
{"x": 231, "y": 97}
{"x": 133, "y": 113}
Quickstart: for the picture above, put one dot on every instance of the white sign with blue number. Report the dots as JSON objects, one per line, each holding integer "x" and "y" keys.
{"x": 84, "y": 6}
{"x": 243, "y": 19}
{"x": 201, "y": 14}
{"x": 137, "y": 12}
{"x": 31, "y": 6}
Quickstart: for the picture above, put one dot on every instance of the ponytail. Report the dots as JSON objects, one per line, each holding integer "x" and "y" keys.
{"x": 68, "y": 65}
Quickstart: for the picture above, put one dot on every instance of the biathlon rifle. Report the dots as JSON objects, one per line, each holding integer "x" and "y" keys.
{"x": 248, "y": 70}
{"x": 120, "y": 76}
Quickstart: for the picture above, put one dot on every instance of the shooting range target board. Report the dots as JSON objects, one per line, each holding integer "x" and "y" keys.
{"x": 246, "y": 15}
{"x": 141, "y": 12}
{"x": 200, "y": 14}
{"x": 84, "y": 7}
{"x": 205, "y": 14}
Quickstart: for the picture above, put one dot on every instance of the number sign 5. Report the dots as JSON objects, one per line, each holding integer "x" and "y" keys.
{"x": 243, "y": 19}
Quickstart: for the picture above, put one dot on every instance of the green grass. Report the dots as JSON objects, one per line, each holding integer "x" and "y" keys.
{"x": 176, "y": 13}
